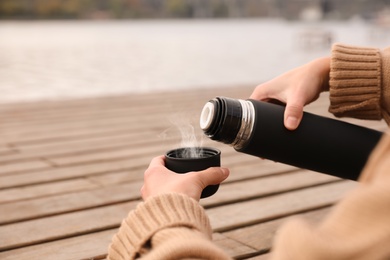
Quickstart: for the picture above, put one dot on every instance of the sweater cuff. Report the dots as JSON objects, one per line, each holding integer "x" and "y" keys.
{"x": 155, "y": 214}
{"x": 355, "y": 82}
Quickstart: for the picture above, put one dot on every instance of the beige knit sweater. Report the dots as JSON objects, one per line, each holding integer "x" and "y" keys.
{"x": 174, "y": 226}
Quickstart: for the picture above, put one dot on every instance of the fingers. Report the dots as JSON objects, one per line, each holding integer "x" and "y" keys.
{"x": 294, "y": 110}
{"x": 260, "y": 92}
{"x": 273, "y": 91}
{"x": 158, "y": 179}
{"x": 155, "y": 170}
{"x": 293, "y": 116}
{"x": 294, "y": 104}
{"x": 157, "y": 161}
{"x": 212, "y": 176}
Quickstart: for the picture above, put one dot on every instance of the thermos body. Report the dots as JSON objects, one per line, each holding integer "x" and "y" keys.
{"x": 320, "y": 144}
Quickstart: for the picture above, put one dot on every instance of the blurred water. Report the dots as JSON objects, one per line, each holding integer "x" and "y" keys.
{"x": 68, "y": 59}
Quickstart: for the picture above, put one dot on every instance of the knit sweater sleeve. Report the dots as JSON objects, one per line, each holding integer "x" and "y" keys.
{"x": 360, "y": 82}
{"x": 169, "y": 226}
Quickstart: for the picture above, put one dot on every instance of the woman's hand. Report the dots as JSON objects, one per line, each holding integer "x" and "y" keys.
{"x": 296, "y": 88}
{"x": 158, "y": 180}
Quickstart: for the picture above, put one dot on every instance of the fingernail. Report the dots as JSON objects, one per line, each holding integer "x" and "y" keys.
{"x": 291, "y": 122}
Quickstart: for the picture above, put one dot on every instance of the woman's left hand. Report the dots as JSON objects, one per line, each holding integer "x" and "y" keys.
{"x": 159, "y": 180}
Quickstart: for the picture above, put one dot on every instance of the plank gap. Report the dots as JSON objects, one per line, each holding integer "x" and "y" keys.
{"x": 254, "y": 254}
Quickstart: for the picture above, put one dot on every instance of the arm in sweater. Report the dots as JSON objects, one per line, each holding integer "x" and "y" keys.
{"x": 168, "y": 226}
{"x": 360, "y": 82}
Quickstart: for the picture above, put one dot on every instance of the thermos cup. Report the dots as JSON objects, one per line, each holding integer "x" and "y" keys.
{"x": 320, "y": 144}
{"x": 187, "y": 159}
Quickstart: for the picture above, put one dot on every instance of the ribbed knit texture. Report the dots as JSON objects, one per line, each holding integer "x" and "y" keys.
{"x": 385, "y": 54}
{"x": 355, "y": 82}
{"x": 152, "y": 216}
{"x": 183, "y": 243}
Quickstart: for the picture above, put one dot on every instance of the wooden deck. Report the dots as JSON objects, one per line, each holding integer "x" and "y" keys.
{"x": 70, "y": 171}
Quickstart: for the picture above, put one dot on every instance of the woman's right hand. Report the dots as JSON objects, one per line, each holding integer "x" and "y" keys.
{"x": 296, "y": 88}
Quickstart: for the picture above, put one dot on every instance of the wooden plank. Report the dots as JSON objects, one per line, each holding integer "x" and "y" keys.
{"x": 125, "y": 120}
{"x": 39, "y": 114}
{"x": 59, "y": 204}
{"x": 108, "y": 179}
{"x": 60, "y": 133}
{"x": 67, "y": 186}
{"x": 254, "y": 188}
{"x": 91, "y": 246}
{"x": 232, "y": 247}
{"x": 135, "y": 166}
{"x": 90, "y": 113}
{"x": 251, "y": 167}
{"x": 5, "y": 149}
{"x": 84, "y": 146}
{"x": 48, "y": 189}
{"x": 118, "y": 153}
{"x": 250, "y": 212}
{"x": 24, "y": 166}
{"x": 63, "y": 226}
{"x": 83, "y": 130}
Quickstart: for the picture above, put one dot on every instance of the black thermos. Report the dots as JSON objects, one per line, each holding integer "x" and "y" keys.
{"x": 319, "y": 143}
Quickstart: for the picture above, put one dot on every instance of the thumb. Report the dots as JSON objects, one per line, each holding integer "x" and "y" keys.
{"x": 213, "y": 176}
{"x": 293, "y": 115}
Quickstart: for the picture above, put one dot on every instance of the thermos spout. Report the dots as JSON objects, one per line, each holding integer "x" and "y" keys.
{"x": 228, "y": 120}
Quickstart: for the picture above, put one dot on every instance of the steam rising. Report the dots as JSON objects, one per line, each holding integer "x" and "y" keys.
{"x": 188, "y": 139}
{"x": 187, "y": 134}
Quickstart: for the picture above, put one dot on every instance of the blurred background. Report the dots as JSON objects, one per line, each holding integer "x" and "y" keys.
{"x": 61, "y": 49}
